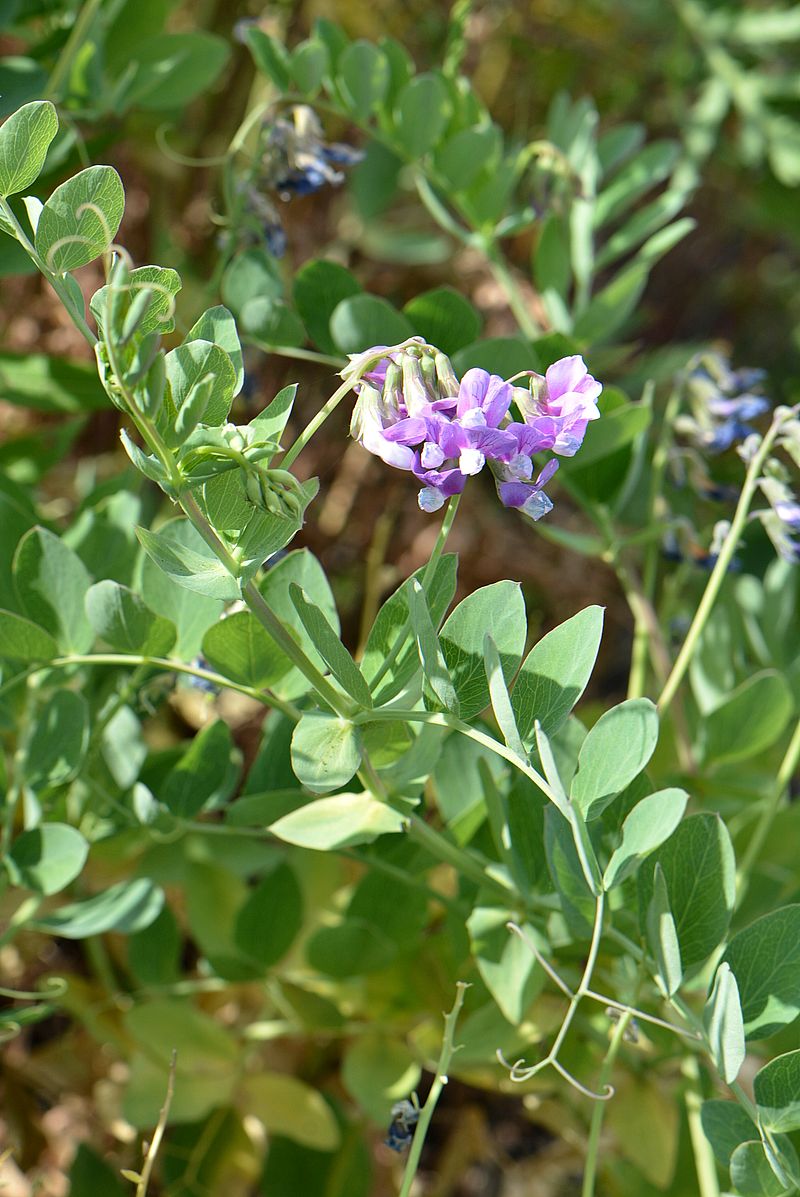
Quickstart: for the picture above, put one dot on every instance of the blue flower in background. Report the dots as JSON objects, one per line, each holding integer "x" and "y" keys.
{"x": 722, "y": 402}
{"x": 297, "y": 161}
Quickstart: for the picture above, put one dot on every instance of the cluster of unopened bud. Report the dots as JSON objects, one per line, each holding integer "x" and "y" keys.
{"x": 276, "y": 492}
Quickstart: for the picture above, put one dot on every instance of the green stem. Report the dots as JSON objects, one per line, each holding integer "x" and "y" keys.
{"x": 80, "y": 30}
{"x": 599, "y": 1108}
{"x": 705, "y": 1163}
{"x": 720, "y": 569}
{"x": 464, "y": 863}
{"x": 314, "y": 425}
{"x": 439, "y": 1081}
{"x": 755, "y": 843}
{"x": 497, "y": 263}
{"x": 298, "y": 354}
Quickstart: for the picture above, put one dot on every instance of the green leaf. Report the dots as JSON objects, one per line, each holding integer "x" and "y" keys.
{"x": 318, "y": 288}
{"x": 270, "y": 56}
{"x": 343, "y": 821}
{"x": 722, "y": 1018}
{"x": 444, "y": 318}
{"x": 330, "y": 648}
{"x": 361, "y": 321}
{"x": 201, "y": 572}
{"x": 392, "y": 621}
{"x": 124, "y": 621}
{"x": 268, "y": 534}
{"x": 434, "y": 666}
{"x": 662, "y": 934}
{"x": 421, "y": 114}
{"x": 154, "y": 954}
{"x": 615, "y": 751}
{"x": 200, "y": 773}
{"x": 498, "y": 355}
{"x": 58, "y": 742}
{"x": 353, "y": 948}
{"x": 326, "y": 751}
{"x": 21, "y": 640}
{"x": 500, "y": 700}
{"x": 309, "y": 64}
{"x": 751, "y": 1173}
{"x": 193, "y": 361}
{"x": 51, "y": 583}
{"x": 363, "y": 77}
{"x": 218, "y": 326}
{"x": 551, "y": 262}
{"x": 646, "y": 827}
{"x": 765, "y": 958}
{"x": 250, "y": 275}
{"x": 749, "y": 720}
{"x": 726, "y": 1125}
{"x": 269, "y": 321}
{"x": 191, "y": 613}
{"x": 555, "y": 673}
{"x": 47, "y": 858}
{"x": 301, "y": 568}
{"x": 506, "y": 964}
{"x": 576, "y": 899}
{"x": 462, "y": 158}
{"x": 172, "y": 68}
{"x": 288, "y": 1106}
{"x": 89, "y": 1175}
{"x": 271, "y": 918}
{"x": 159, "y": 314}
{"x": 377, "y": 1071}
{"x": 271, "y": 422}
{"x": 126, "y": 907}
{"x": 643, "y": 172}
{"x": 80, "y": 220}
{"x": 499, "y": 611}
{"x": 24, "y": 140}
{"x": 611, "y": 307}
{"x": 699, "y": 869}
{"x": 238, "y": 647}
{"x": 612, "y": 432}
{"x": 777, "y": 1093}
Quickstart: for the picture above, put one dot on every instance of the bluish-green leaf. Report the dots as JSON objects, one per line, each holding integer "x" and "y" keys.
{"x": 218, "y": 325}
{"x": 500, "y": 700}
{"x": 361, "y": 321}
{"x": 47, "y": 858}
{"x": 615, "y": 751}
{"x": 271, "y": 918}
{"x": 200, "y": 773}
{"x": 444, "y": 318}
{"x": 326, "y": 751}
{"x": 464, "y": 156}
{"x": 777, "y": 1093}
{"x": 646, "y": 827}
{"x": 51, "y": 583}
{"x": 662, "y": 934}
{"x": 271, "y": 422}
{"x": 342, "y": 821}
{"x": 330, "y": 648}
{"x": 170, "y": 69}
{"x": 421, "y": 115}
{"x": 80, "y": 219}
{"x": 507, "y": 965}
{"x": 751, "y": 1173}
{"x": 363, "y": 77}
{"x": 499, "y": 611}
{"x": 309, "y": 64}
{"x": 159, "y": 314}
{"x": 201, "y": 572}
{"x": 270, "y": 56}
{"x": 24, "y": 141}
{"x": 192, "y": 613}
{"x": 195, "y": 360}
{"x": 58, "y": 741}
{"x": 434, "y": 665}
{"x": 124, "y": 621}
{"x": 238, "y": 647}
{"x": 378, "y": 1071}
{"x": 319, "y": 286}
{"x": 726, "y": 1125}
{"x": 749, "y": 720}
{"x": 125, "y": 907}
{"x": 22, "y": 640}
{"x": 555, "y": 672}
{"x": 699, "y": 869}
{"x": 765, "y": 958}
{"x": 724, "y": 1027}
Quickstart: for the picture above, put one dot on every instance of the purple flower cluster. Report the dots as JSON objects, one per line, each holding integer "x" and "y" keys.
{"x": 723, "y": 402}
{"x": 415, "y": 415}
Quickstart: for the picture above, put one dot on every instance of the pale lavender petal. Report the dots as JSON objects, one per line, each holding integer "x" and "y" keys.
{"x": 431, "y": 456}
{"x": 430, "y": 499}
{"x": 565, "y": 375}
{"x": 471, "y": 461}
{"x": 408, "y": 432}
{"x": 472, "y": 391}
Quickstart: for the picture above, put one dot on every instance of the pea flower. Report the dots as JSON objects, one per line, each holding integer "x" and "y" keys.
{"x": 782, "y": 518}
{"x": 415, "y": 415}
{"x": 722, "y": 402}
{"x": 297, "y": 161}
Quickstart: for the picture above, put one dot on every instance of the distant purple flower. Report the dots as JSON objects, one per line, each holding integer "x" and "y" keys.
{"x": 722, "y": 403}
{"x": 560, "y": 405}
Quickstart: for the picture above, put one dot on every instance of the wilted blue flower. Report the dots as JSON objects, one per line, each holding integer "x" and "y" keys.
{"x": 297, "y": 161}
{"x": 405, "y": 1117}
{"x": 415, "y": 415}
{"x": 722, "y": 403}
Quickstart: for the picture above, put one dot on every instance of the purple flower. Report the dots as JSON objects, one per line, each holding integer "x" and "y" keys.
{"x": 560, "y": 405}
{"x": 414, "y": 414}
{"x": 722, "y": 403}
